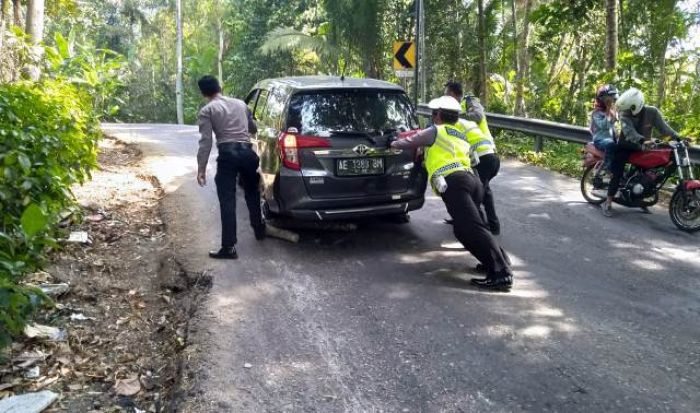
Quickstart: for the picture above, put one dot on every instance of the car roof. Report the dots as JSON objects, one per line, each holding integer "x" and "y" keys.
{"x": 328, "y": 82}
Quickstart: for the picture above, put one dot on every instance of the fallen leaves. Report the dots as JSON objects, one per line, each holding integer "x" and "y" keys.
{"x": 128, "y": 387}
{"x": 120, "y": 328}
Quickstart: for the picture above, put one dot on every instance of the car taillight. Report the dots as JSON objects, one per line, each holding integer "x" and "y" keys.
{"x": 290, "y": 144}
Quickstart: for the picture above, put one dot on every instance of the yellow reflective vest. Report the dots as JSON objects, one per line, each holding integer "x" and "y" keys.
{"x": 449, "y": 153}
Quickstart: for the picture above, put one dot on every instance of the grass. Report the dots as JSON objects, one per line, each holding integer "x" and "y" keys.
{"x": 558, "y": 156}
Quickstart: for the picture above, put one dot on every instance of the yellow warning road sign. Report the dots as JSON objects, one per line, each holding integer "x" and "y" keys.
{"x": 404, "y": 55}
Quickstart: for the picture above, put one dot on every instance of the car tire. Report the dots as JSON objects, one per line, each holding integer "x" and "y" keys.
{"x": 267, "y": 214}
{"x": 400, "y": 218}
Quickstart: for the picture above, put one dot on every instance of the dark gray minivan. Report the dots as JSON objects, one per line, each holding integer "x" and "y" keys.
{"x": 324, "y": 149}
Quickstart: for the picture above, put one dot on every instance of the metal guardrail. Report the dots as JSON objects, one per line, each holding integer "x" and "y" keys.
{"x": 547, "y": 129}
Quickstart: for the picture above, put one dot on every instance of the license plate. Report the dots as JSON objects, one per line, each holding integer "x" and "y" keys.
{"x": 360, "y": 166}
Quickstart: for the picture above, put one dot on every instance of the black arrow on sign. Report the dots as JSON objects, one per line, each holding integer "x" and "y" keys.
{"x": 401, "y": 56}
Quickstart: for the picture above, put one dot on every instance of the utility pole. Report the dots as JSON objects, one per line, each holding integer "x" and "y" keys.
{"x": 421, "y": 44}
{"x": 418, "y": 52}
{"x": 179, "y": 92}
{"x": 419, "y": 41}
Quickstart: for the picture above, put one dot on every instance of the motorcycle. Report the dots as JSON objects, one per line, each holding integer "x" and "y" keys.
{"x": 646, "y": 174}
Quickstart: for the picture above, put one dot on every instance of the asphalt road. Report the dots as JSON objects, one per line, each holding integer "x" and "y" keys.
{"x": 604, "y": 315}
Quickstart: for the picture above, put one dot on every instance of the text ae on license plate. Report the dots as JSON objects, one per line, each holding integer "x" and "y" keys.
{"x": 360, "y": 166}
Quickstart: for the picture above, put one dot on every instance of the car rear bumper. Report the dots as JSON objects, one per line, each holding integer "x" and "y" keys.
{"x": 331, "y": 214}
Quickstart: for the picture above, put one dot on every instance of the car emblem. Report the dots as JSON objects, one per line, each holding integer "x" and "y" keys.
{"x": 361, "y": 149}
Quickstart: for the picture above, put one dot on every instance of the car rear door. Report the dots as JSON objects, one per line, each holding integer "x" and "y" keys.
{"x": 343, "y": 141}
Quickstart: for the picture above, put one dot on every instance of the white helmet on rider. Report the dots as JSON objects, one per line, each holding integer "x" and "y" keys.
{"x": 632, "y": 100}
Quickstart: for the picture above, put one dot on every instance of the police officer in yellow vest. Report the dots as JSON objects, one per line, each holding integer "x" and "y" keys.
{"x": 450, "y": 175}
{"x": 485, "y": 148}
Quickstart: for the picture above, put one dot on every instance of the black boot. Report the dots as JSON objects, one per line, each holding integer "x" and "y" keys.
{"x": 480, "y": 268}
{"x": 259, "y": 232}
{"x": 494, "y": 283}
{"x": 225, "y": 253}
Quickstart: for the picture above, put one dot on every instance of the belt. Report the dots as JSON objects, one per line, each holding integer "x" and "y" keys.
{"x": 234, "y": 145}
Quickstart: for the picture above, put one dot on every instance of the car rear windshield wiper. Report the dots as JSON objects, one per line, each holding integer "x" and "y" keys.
{"x": 354, "y": 133}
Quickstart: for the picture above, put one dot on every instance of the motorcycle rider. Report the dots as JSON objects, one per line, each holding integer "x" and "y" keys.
{"x": 638, "y": 122}
{"x": 603, "y": 119}
{"x": 449, "y": 166}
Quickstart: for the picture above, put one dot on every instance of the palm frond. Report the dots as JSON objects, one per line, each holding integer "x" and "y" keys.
{"x": 288, "y": 39}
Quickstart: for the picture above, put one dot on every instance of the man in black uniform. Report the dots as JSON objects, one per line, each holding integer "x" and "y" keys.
{"x": 232, "y": 123}
{"x": 484, "y": 148}
{"x": 450, "y": 174}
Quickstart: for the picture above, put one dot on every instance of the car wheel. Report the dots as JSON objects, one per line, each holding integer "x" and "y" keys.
{"x": 400, "y": 218}
{"x": 267, "y": 214}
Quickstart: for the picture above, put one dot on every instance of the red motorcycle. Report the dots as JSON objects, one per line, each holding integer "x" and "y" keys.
{"x": 644, "y": 177}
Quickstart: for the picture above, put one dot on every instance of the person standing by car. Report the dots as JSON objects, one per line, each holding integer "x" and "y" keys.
{"x": 450, "y": 175}
{"x": 232, "y": 123}
{"x": 638, "y": 122}
{"x": 484, "y": 146}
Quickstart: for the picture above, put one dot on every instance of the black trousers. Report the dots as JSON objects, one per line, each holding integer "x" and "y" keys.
{"x": 488, "y": 168}
{"x": 623, "y": 150}
{"x": 462, "y": 198}
{"x": 234, "y": 160}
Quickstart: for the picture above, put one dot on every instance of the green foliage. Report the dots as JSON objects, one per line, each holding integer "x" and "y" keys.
{"x": 48, "y": 141}
{"x": 97, "y": 71}
{"x": 558, "y": 156}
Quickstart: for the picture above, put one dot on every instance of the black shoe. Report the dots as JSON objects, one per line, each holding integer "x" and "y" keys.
{"x": 480, "y": 268}
{"x": 225, "y": 253}
{"x": 450, "y": 221}
{"x": 495, "y": 284}
{"x": 259, "y": 232}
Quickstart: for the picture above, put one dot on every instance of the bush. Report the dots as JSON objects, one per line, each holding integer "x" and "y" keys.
{"x": 48, "y": 142}
{"x": 563, "y": 157}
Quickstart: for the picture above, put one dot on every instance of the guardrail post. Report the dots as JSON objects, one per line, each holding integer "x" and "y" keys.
{"x": 539, "y": 144}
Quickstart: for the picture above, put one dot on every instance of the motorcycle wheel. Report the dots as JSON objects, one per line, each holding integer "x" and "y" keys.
{"x": 593, "y": 195}
{"x": 685, "y": 210}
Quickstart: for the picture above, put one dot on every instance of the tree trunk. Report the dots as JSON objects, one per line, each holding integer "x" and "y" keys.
{"x": 17, "y": 8}
{"x": 661, "y": 86}
{"x": 35, "y": 20}
{"x": 611, "y": 44}
{"x": 35, "y": 30}
{"x": 522, "y": 76}
{"x": 220, "y": 55}
{"x": 3, "y": 19}
{"x": 555, "y": 64}
{"x": 483, "y": 87}
{"x": 179, "y": 97}
{"x": 515, "y": 36}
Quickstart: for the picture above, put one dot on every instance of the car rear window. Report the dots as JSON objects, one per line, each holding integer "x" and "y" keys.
{"x": 320, "y": 113}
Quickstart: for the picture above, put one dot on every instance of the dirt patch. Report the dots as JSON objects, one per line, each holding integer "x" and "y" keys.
{"x": 127, "y": 307}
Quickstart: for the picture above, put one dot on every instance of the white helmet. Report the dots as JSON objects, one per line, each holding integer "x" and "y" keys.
{"x": 445, "y": 103}
{"x": 632, "y": 99}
